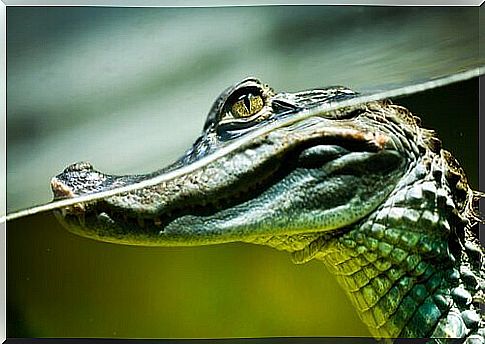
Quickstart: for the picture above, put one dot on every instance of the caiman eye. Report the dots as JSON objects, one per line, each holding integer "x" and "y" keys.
{"x": 247, "y": 105}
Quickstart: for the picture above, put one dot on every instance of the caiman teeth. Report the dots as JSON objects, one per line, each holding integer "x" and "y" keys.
{"x": 143, "y": 223}
{"x": 210, "y": 203}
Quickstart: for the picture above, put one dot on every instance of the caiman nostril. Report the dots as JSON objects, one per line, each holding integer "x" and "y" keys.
{"x": 79, "y": 166}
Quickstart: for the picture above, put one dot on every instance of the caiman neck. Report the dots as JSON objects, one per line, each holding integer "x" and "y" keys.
{"x": 404, "y": 267}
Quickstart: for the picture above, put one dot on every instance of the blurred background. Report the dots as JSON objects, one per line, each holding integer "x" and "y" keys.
{"x": 128, "y": 90}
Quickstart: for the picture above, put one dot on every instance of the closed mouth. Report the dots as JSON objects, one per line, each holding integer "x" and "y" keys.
{"x": 251, "y": 186}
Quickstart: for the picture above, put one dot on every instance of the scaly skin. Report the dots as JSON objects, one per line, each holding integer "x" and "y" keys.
{"x": 364, "y": 189}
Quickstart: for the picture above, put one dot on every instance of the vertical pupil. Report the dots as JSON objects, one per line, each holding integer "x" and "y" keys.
{"x": 247, "y": 102}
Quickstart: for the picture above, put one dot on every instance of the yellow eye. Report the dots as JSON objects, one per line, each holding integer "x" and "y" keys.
{"x": 247, "y": 105}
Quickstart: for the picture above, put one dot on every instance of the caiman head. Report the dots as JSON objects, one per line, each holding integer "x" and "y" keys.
{"x": 316, "y": 175}
{"x": 364, "y": 189}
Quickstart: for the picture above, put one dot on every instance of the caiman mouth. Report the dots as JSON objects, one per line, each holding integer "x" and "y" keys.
{"x": 291, "y": 149}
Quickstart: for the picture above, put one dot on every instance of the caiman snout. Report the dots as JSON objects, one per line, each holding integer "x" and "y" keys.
{"x": 60, "y": 189}
{"x": 76, "y": 179}
{"x": 59, "y": 186}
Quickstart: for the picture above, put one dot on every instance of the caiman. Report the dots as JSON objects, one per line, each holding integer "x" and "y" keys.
{"x": 364, "y": 189}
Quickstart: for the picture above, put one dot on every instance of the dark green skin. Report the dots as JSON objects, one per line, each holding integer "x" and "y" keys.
{"x": 364, "y": 189}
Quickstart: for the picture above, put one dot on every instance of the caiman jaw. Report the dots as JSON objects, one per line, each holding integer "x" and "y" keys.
{"x": 216, "y": 204}
{"x": 258, "y": 190}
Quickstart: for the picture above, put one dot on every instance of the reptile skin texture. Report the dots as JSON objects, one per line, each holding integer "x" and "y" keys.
{"x": 363, "y": 189}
